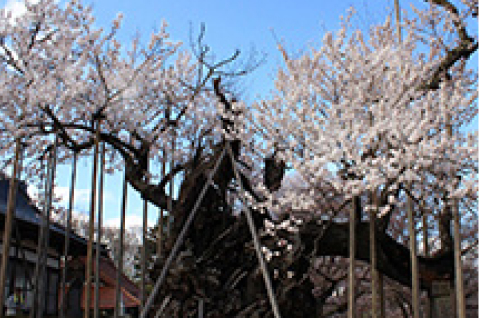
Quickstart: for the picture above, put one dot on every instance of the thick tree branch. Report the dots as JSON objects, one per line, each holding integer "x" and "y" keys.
{"x": 466, "y": 47}
{"x": 393, "y": 258}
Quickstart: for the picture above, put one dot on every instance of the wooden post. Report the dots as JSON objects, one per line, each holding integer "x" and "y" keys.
{"x": 41, "y": 238}
{"x": 169, "y": 219}
{"x": 43, "y": 278}
{"x": 10, "y": 215}
{"x": 352, "y": 261}
{"x": 71, "y": 201}
{"x": 373, "y": 259}
{"x": 96, "y": 305}
{"x": 179, "y": 241}
{"x": 459, "y": 283}
{"x": 382, "y": 301}
{"x": 256, "y": 243}
{"x": 460, "y": 298}
{"x": 91, "y": 224}
{"x": 410, "y": 211}
{"x": 413, "y": 254}
{"x": 425, "y": 247}
{"x": 143, "y": 251}
{"x": 201, "y": 308}
{"x": 119, "y": 270}
{"x": 160, "y": 239}
{"x": 42, "y": 247}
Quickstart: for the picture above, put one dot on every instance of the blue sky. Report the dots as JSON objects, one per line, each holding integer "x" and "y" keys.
{"x": 230, "y": 25}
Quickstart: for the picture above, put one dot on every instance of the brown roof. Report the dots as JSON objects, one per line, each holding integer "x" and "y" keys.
{"x": 130, "y": 291}
{"x": 107, "y": 298}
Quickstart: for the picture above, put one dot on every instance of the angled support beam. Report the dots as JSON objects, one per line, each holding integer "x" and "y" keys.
{"x": 10, "y": 215}
{"x": 257, "y": 246}
{"x": 180, "y": 239}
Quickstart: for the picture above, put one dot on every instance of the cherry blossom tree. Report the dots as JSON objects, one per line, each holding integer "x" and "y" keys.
{"x": 368, "y": 113}
{"x": 364, "y": 114}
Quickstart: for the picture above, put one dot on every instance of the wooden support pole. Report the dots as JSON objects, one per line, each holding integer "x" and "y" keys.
{"x": 373, "y": 260}
{"x": 162, "y": 307}
{"x": 42, "y": 254}
{"x": 159, "y": 239}
{"x": 201, "y": 308}
{"x": 256, "y": 242}
{"x": 425, "y": 247}
{"x": 169, "y": 219}
{"x": 71, "y": 202}
{"x": 143, "y": 251}
{"x": 460, "y": 298}
{"x": 382, "y": 300}
{"x": 180, "y": 239}
{"x": 96, "y": 305}
{"x": 10, "y": 215}
{"x": 41, "y": 238}
{"x": 91, "y": 224}
{"x": 160, "y": 234}
{"x": 119, "y": 269}
{"x": 413, "y": 254}
{"x": 458, "y": 276}
{"x": 352, "y": 261}
{"x": 43, "y": 287}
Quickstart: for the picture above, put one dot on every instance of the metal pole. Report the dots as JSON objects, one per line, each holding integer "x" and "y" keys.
{"x": 67, "y": 235}
{"x": 119, "y": 269}
{"x": 10, "y": 215}
{"x": 352, "y": 261}
{"x": 257, "y": 246}
{"x": 91, "y": 224}
{"x": 179, "y": 240}
{"x": 96, "y": 305}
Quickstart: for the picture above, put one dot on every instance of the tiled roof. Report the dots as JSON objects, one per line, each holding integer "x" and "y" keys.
{"x": 131, "y": 292}
{"x": 107, "y": 298}
{"x": 26, "y": 211}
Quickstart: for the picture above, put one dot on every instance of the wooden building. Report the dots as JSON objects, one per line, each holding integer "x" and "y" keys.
{"x": 130, "y": 292}
{"x": 27, "y": 225}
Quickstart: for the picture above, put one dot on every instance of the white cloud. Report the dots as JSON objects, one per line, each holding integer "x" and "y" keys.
{"x": 130, "y": 221}
{"x": 82, "y": 195}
